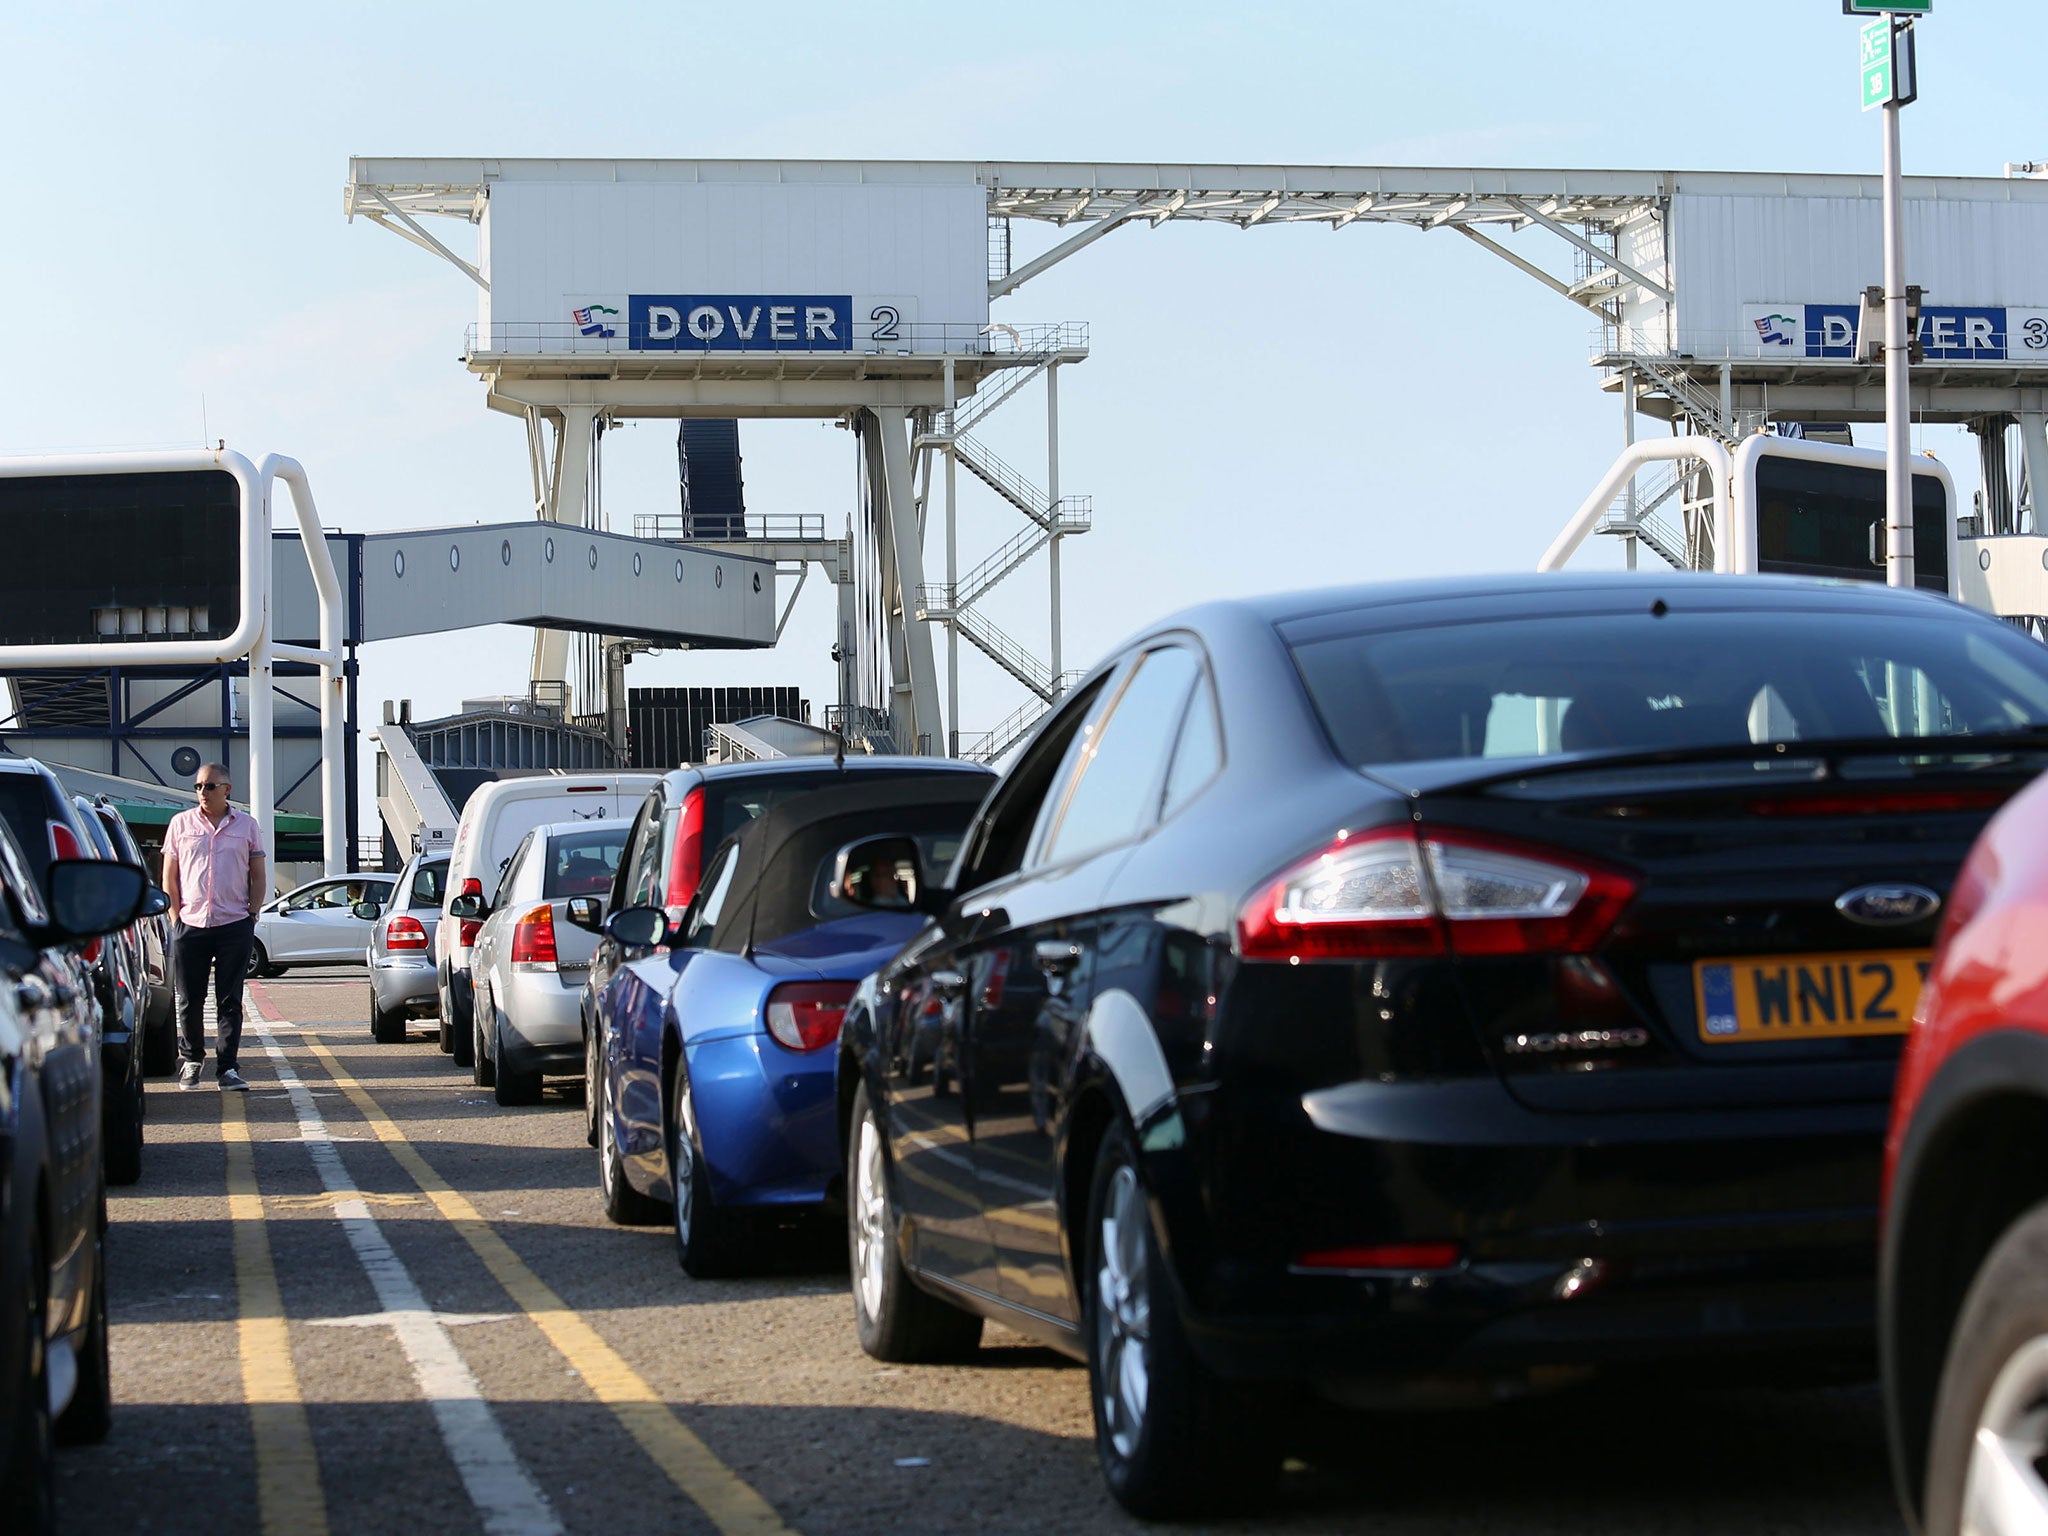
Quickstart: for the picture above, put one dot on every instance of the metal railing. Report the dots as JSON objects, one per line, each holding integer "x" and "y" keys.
{"x": 999, "y": 476}
{"x": 756, "y": 334}
{"x": 862, "y": 727}
{"x": 764, "y": 526}
{"x": 951, "y": 424}
{"x": 1652, "y": 489}
{"x": 1074, "y": 514}
{"x": 987, "y": 746}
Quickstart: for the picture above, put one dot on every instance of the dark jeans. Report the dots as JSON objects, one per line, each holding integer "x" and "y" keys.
{"x": 225, "y": 951}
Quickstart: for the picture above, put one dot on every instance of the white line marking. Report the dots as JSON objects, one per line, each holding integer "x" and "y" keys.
{"x": 383, "y": 1319}
{"x": 499, "y": 1485}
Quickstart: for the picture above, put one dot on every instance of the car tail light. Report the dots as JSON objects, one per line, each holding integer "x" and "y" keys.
{"x": 64, "y": 842}
{"x": 1883, "y": 803}
{"x": 686, "y": 864}
{"x": 806, "y": 1015}
{"x": 466, "y": 927}
{"x": 1388, "y": 894}
{"x": 1384, "y": 1256}
{"x": 533, "y": 940}
{"x": 404, "y": 932}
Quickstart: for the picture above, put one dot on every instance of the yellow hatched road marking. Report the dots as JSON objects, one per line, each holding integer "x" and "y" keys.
{"x": 733, "y": 1506}
{"x": 288, "y": 1495}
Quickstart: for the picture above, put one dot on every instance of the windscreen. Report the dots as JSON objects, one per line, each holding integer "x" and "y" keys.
{"x": 1540, "y": 686}
{"x": 1816, "y": 519}
{"x": 583, "y": 863}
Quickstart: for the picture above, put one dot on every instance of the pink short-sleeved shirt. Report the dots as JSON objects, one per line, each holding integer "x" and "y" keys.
{"x": 213, "y": 865}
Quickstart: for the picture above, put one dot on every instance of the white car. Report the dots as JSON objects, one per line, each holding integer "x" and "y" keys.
{"x": 314, "y": 925}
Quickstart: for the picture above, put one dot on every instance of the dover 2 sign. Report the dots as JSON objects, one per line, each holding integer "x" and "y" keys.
{"x": 744, "y": 322}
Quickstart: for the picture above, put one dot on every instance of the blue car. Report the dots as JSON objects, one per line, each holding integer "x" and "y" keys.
{"x": 710, "y": 1059}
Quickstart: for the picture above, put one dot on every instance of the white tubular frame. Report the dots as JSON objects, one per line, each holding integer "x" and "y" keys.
{"x": 1632, "y": 458}
{"x": 250, "y": 637}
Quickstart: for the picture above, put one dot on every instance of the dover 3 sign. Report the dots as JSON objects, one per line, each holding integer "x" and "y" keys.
{"x": 1956, "y": 333}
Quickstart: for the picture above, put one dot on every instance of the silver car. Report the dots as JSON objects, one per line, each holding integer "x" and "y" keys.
{"x": 317, "y": 924}
{"x": 529, "y": 962}
{"x": 401, "y": 949}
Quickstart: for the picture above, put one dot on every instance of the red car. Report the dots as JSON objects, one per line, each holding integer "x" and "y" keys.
{"x": 1964, "y": 1284}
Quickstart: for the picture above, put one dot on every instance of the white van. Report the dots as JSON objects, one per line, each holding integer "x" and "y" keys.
{"x": 497, "y": 816}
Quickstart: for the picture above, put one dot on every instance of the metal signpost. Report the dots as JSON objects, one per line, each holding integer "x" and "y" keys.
{"x": 1888, "y": 82}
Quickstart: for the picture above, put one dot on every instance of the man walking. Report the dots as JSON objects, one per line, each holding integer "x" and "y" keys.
{"x": 214, "y": 876}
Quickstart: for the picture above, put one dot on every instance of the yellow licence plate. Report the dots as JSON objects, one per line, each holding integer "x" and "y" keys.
{"x": 1806, "y": 997}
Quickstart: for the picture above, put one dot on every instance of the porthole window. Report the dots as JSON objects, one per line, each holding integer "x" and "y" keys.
{"x": 636, "y": 564}
{"x": 679, "y": 570}
{"x": 504, "y": 552}
{"x": 454, "y": 557}
{"x": 757, "y": 581}
{"x": 398, "y": 563}
{"x": 718, "y": 575}
{"x": 593, "y": 557}
{"x": 548, "y": 551}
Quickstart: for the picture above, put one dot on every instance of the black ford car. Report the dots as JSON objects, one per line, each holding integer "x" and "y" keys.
{"x": 1460, "y": 983}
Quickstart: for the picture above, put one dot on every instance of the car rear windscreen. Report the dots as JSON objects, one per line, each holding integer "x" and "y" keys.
{"x": 1557, "y": 683}
{"x": 583, "y": 863}
{"x": 26, "y": 812}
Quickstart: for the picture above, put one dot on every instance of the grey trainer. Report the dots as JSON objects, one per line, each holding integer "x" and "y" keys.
{"x": 233, "y": 1079}
{"x": 188, "y": 1074}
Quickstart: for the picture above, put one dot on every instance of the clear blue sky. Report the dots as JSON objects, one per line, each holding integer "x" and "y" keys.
{"x": 1263, "y": 409}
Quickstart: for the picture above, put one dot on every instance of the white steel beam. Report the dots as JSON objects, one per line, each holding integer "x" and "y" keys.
{"x": 1064, "y": 249}
{"x": 1567, "y": 233}
{"x": 420, "y": 237}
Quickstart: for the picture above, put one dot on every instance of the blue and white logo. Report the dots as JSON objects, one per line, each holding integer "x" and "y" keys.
{"x": 1888, "y": 906}
{"x": 742, "y": 322}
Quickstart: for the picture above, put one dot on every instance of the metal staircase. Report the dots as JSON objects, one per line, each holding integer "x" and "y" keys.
{"x": 1013, "y": 728}
{"x": 1074, "y": 514}
{"x": 948, "y": 425}
{"x": 1000, "y": 648}
{"x": 979, "y": 460}
{"x": 1702, "y": 405}
{"x": 1666, "y": 540}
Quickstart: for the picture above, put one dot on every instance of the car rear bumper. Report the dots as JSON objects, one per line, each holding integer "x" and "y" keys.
{"x": 767, "y": 1120}
{"x": 399, "y": 981}
{"x": 1578, "y": 1240}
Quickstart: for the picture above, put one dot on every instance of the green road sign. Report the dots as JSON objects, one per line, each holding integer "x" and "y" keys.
{"x": 1887, "y": 7}
{"x": 1877, "y": 62}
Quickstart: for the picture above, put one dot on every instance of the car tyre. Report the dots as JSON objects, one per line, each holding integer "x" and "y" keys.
{"x": 1172, "y": 1439}
{"x": 160, "y": 1041}
{"x": 28, "y": 1478}
{"x": 711, "y": 1240}
{"x": 482, "y": 1070}
{"x": 90, "y": 1413}
{"x": 624, "y": 1204}
{"x": 510, "y": 1086}
{"x": 386, "y": 1027}
{"x": 593, "y": 1070}
{"x": 445, "y": 1035}
{"x": 1988, "y": 1424}
{"x": 894, "y": 1319}
{"x": 121, "y": 1136}
{"x": 260, "y": 964}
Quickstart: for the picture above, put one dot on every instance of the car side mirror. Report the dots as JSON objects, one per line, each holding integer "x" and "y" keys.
{"x": 637, "y": 927}
{"x": 466, "y": 907}
{"x": 885, "y": 874}
{"x": 156, "y": 901}
{"x": 91, "y": 897}
{"x": 366, "y": 910}
{"x": 585, "y": 912}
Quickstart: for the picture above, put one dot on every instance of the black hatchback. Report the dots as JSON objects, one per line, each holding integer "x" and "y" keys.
{"x": 1443, "y": 986}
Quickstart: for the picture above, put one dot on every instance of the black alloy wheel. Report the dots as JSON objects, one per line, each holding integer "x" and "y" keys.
{"x": 28, "y": 1477}
{"x": 624, "y": 1204}
{"x": 1988, "y": 1447}
{"x": 511, "y": 1087}
{"x": 894, "y": 1319}
{"x": 593, "y": 1068}
{"x": 259, "y": 962}
{"x": 1173, "y": 1440}
{"x": 90, "y": 1413}
{"x": 386, "y": 1027}
{"x": 711, "y": 1240}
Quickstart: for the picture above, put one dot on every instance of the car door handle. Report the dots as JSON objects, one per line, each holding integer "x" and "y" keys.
{"x": 948, "y": 984}
{"x": 1056, "y": 957}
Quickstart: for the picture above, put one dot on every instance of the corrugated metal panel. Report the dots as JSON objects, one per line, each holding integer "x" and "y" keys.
{"x": 1737, "y": 250}
{"x": 551, "y": 247}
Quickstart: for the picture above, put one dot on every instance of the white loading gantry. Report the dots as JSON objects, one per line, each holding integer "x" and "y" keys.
{"x": 860, "y": 290}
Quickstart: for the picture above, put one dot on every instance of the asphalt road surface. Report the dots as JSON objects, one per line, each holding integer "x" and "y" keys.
{"x": 363, "y": 1299}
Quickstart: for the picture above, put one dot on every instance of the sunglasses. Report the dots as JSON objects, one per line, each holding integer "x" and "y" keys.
{"x": 210, "y": 784}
